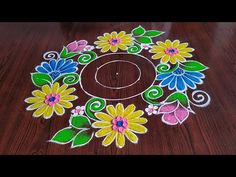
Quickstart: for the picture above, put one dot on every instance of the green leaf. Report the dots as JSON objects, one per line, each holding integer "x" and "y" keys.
{"x": 136, "y": 48}
{"x": 64, "y": 53}
{"x": 40, "y": 79}
{"x": 138, "y": 31}
{"x": 63, "y": 136}
{"x": 181, "y": 97}
{"x": 82, "y": 138}
{"x": 145, "y": 40}
{"x": 153, "y": 33}
{"x": 192, "y": 65}
{"x": 79, "y": 122}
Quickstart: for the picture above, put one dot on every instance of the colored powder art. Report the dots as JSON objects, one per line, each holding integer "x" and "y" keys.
{"x": 57, "y": 77}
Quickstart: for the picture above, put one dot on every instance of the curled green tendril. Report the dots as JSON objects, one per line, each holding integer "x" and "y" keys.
{"x": 94, "y": 105}
{"x": 87, "y": 57}
{"x": 136, "y": 48}
{"x": 152, "y": 94}
{"x": 70, "y": 79}
{"x": 166, "y": 68}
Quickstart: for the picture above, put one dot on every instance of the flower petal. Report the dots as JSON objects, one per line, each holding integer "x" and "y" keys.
{"x": 68, "y": 91}
{"x": 131, "y": 137}
{"x": 134, "y": 127}
{"x": 46, "y": 89}
{"x": 140, "y": 120}
{"x": 66, "y": 104}
{"x": 72, "y": 46}
{"x": 182, "y": 46}
{"x": 168, "y": 107}
{"x": 55, "y": 87}
{"x": 180, "y": 58}
{"x": 181, "y": 114}
{"x": 158, "y": 55}
{"x": 35, "y": 106}
{"x": 34, "y": 99}
{"x": 103, "y": 116}
{"x": 162, "y": 76}
{"x": 169, "y": 119}
{"x": 168, "y": 43}
{"x": 111, "y": 110}
{"x": 114, "y": 34}
{"x": 119, "y": 109}
{"x": 129, "y": 110}
{"x": 180, "y": 85}
{"x": 103, "y": 132}
{"x": 195, "y": 74}
{"x": 38, "y": 94}
{"x": 172, "y": 84}
{"x": 135, "y": 114}
{"x": 120, "y": 140}
{"x": 114, "y": 48}
{"x": 48, "y": 113}
{"x": 162, "y": 44}
{"x": 59, "y": 109}
{"x": 188, "y": 49}
{"x": 69, "y": 97}
{"x": 101, "y": 124}
{"x": 122, "y": 46}
{"x": 187, "y": 55}
{"x": 40, "y": 111}
{"x": 109, "y": 138}
{"x": 190, "y": 84}
{"x": 166, "y": 81}
{"x": 105, "y": 48}
{"x": 165, "y": 58}
{"x": 175, "y": 43}
{"x": 121, "y": 34}
{"x": 62, "y": 88}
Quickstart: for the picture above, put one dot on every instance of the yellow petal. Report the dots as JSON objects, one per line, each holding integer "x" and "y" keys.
{"x": 180, "y": 58}
{"x": 109, "y": 138}
{"x": 102, "y": 38}
{"x": 156, "y": 49}
{"x": 119, "y": 109}
{"x": 107, "y": 36}
{"x": 69, "y": 97}
{"x": 121, "y": 34}
{"x": 35, "y": 106}
{"x": 48, "y": 113}
{"x": 114, "y": 48}
{"x": 102, "y": 45}
{"x": 173, "y": 59}
{"x": 103, "y": 132}
{"x": 165, "y": 59}
{"x": 105, "y": 48}
{"x": 131, "y": 136}
{"x": 158, "y": 55}
{"x": 140, "y": 120}
{"x": 101, "y": 124}
{"x": 55, "y": 87}
{"x": 129, "y": 110}
{"x": 126, "y": 37}
{"x": 137, "y": 128}
{"x": 122, "y": 47}
{"x": 40, "y": 111}
{"x": 120, "y": 140}
{"x": 103, "y": 116}
{"x": 62, "y": 88}
{"x": 136, "y": 114}
{"x": 187, "y": 55}
{"x": 183, "y": 45}
{"x": 46, "y": 89}
{"x": 111, "y": 110}
{"x": 175, "y": 43}
{"x": 114, "y": 34}
{"x": 66, "y": 104}
{"x": 59, "y": 109}
{"x": 162, "y": 44}
{"x": 38, "y": 93}
{"x": 188, "y": 49}
{"x": 127, "y": 42}
{"x": 34, "y": 99}
{"x": 67, "y": 91}
{"x": 168, "y": 43}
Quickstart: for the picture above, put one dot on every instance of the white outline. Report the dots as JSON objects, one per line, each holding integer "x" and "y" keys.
{"x": 201, "y": 98}
{"x": 114, "y": 61}
{"x": 51, "y": 55}
{"x": 116, "y": 99}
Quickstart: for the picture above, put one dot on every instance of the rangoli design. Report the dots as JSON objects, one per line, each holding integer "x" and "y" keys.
{"x": 57, "y": 77}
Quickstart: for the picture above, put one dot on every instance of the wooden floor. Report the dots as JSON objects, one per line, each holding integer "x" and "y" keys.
{"x": 212, "y": 130}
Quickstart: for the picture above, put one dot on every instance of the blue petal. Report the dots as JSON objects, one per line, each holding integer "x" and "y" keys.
{"x": 69, "y": 70}
{"x": 41, "y": 69}
{"x": 189, "y": 82}
{"x": 59, "y": 63}
{"x": 180, "y": 84}
{"x": 167, "y": 81}
{"x": 162, "y": 76}
{"x": 46, "y": 66}
{"x": 194, "y": 79}
{"x": 196, "y": 74}
{"x": 68, "y": 62}
{"x": 53, "y": 63}
{"x": 172, "y": 84}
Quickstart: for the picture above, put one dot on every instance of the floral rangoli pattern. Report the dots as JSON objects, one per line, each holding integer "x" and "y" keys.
{"x": 57, "y": 76}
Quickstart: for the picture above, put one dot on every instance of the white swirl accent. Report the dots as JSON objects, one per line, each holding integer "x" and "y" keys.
{"x": 200, "y": 98}
{"x": 51, "y": 55}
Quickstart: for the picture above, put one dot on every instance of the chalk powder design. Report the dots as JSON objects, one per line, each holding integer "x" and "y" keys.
{"x": 176, "y": 72}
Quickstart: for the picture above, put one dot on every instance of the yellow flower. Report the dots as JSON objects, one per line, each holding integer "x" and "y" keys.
{"x": 171, "y": 51}
{"x": 51, "y": 99}
{"x": 114, "y": 41}
{"x": 120, "y": 123}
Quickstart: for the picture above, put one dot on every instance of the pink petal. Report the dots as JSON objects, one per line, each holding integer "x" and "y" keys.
{"x": 121, "y": 129}
{"x": 167, "y": 108}
{"x": 181, "y": 114}
{"x": 114, "y": 121}
{"x": 125, "y": 124}
{"x": 169, "y": 119}
{"x": 114, "y": 127}
{"x": 72, "y": 46}
{"x": 73, "y": 111}
{"x": 82, "y": 42}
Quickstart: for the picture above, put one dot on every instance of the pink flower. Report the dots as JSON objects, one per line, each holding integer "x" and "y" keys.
{"x": 173, "y": 113}
{"x": 77, "y": 46}
{"x": 88, "y": 48}
{"x": 79, "y": 110}
{"x": 120, "y": 124}
{"x": 145, "y": 46}
{"x": 151, "y": 109}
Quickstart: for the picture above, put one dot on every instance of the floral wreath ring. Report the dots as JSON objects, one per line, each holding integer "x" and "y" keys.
{"x": 115, "y": 122}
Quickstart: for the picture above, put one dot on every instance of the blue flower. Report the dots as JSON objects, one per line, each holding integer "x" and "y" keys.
{"x": 57, "y": 67}
{"x": 180, "y": 79}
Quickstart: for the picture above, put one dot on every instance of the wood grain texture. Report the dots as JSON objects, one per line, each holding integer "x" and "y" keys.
{"x": 212, "y": 130}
